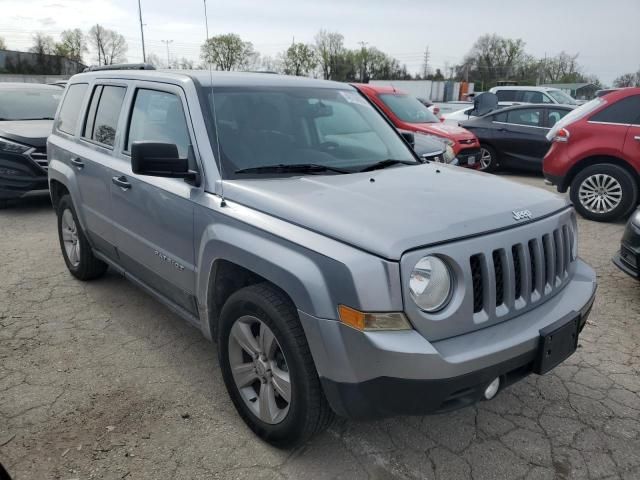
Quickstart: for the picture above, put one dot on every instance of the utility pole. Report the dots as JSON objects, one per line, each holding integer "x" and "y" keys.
{"x": 425, "y": 66}
{"x": 167, "y": 42}
{"x": 365, "y": 61}
{"x": 144, "y": 55}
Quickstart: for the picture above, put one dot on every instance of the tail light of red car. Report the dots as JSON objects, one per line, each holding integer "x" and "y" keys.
{"x": 562, "y": 136}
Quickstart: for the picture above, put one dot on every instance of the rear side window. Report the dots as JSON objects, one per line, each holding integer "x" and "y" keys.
{"x": 506, "y": 95}
{"x": 531, "y": 117}
{"x": 555, "y": 114}
{"x": 70, "y": 110}
{"x": 103, "y": 115}
{"x": 531, "y": 96}
{"x": 625, "y": 111}
{"x": 158, "y": 116}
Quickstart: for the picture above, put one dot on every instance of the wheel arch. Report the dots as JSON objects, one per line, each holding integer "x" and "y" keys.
{"x": 594, "y": 160}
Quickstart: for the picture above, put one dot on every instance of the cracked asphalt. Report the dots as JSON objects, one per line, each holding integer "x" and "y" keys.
{"x": 98, "y": 380}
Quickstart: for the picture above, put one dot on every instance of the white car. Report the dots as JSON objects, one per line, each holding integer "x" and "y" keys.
{"x": 532, "y": 94}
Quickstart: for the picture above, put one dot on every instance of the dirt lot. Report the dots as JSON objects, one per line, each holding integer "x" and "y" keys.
{"x": 97, "y": 380}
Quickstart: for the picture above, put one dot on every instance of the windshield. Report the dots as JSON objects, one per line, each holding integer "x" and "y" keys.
{"x": 575, "y": 115}
{"x": 408, "y": 108}
{"x": 29, "y": 103}
{"x": 267, "y": 126}
{"x": 561, "y": 97}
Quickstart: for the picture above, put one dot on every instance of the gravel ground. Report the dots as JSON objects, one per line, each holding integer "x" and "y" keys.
{"x": 98, "y": 380}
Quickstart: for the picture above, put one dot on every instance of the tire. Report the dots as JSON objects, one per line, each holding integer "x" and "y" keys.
{"x": 488, "y": 159}
{"x": 76, "y": 250}
{"x": 284, "y": 424}
{"x": 604, "y": 192}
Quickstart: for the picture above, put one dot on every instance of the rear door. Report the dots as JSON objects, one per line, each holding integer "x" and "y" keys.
{"x": 92, "y": 162}
{"x": 631, "y": 148}
{"x": 153, "y": 216}
{"x": 522, "y": 141}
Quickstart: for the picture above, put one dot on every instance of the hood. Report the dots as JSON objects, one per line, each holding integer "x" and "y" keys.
{"x": 29, "y": 132}
{"x": 451, "y": 131}
{"x": 402, "y": 209}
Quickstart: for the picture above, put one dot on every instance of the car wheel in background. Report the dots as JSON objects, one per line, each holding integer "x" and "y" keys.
{"x": 268, "y": 369}
{"x": 488, "y": 159}
{"x": 604, "y": 192}
{"x": 76, "y": 250}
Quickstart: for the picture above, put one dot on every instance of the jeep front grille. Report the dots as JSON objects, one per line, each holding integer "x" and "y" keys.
{"x": 522, "y": 273}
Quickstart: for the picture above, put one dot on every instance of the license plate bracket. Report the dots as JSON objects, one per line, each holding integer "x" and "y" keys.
{"x": 558, "y": 342}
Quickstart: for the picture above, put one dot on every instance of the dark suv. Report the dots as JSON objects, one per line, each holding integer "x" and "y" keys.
{"x": 26, "y": 117}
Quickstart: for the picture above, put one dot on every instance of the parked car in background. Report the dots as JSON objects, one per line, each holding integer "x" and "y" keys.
{"x": 628, "y": 257}
{"x": 515, "y": 137}
{"x": 407, "y": 113}
{"x": 292, "y": 224}
{"x": 26, "y": 116}
{"x": 435, "y": 109}
{"x": 432, "y": 148}
{"x": 595, "y": 152}
{"x": 531, "y": 94}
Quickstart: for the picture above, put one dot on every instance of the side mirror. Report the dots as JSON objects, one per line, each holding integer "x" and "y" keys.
{"x": 161, "y": 160}
{"x": 409, "y": 137}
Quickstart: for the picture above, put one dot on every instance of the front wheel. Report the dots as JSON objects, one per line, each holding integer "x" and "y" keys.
{"x": 76, "y": 250}
{"x": 488, "y": 159}
{"x": 267, "y": 367}
{"x": 604, "y": 192}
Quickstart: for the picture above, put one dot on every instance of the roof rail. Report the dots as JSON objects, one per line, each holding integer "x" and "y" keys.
{"x": 120, "y": 66}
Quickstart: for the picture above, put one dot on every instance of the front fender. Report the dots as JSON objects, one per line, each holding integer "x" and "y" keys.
{"x": 316, "y": 272}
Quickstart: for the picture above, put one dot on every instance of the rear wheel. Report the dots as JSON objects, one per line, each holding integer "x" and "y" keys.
{"x": 488, "y": 159}
{"x": 604, "y": 192}
{"x": 267, "y": 367}
{"x": 76, "y": 250}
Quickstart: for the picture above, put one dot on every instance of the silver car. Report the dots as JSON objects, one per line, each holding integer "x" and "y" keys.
{"x": 335, "y": 269}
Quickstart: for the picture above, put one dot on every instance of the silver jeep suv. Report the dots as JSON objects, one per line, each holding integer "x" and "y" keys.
{"x": 288, "y": 221}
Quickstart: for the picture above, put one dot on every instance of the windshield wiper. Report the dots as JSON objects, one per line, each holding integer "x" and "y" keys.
{"x": 39, "y": 118}
{"x": 387, "y": 163}
{"x": 293, "y": 168}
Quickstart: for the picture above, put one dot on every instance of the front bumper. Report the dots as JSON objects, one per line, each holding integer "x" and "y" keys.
{"x": 378, "y": 374}
{"x": 627, "y": 258}
{"x": 469, "y": 157}
{"x": 20, "y": 174}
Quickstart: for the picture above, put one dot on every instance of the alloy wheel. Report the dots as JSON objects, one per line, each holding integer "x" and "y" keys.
{"x": 485, "y": 158}
{"x": 600, "y": 193}
{"x": 70, "y": 238}
{"x": 259, "y": 369}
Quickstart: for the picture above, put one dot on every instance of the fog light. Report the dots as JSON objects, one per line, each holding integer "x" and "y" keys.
{"x": 492, "y": 389}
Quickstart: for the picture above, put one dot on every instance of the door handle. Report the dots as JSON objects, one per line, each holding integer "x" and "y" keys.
{"x": 79, "y": 164}
{"x": 121, "y": 182}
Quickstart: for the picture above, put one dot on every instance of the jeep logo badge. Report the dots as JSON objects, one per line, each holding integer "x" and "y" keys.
{"x": 522, "y": 215}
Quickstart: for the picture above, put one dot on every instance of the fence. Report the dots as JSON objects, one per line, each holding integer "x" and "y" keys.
{"x": 436, "y": 91}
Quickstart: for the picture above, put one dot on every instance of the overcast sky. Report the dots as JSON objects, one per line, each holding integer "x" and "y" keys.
{"x": 605, "y": 34}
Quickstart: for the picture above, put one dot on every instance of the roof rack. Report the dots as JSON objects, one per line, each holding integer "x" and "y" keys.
{"x": 120, "y": 66}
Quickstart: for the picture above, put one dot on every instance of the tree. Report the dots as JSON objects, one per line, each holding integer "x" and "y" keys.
{"x": 227, "y": 52}
{"x": 42, "y": 44}
{"x": 154, "y": 59}
{"x": 329, "y": 47}
{"x": 185, "y": 64}
{"x": 110, "y": 46}
{"x": 563, "y": 68}
{"x": 3, "y": 45}
{"x": 72, "y": 45}
{"x": 492, "y": 58}
{"x": 627, "y": 80}
{"x": 299, "y": 59}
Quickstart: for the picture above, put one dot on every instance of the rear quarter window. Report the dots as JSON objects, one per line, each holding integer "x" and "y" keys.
{"x": 624, "y": 111}
{"x": 70, "y": 109}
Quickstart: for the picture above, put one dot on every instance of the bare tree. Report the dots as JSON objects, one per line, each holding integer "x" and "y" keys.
{"x": 329, "y": 47}
{"x": 154, "y": 59}
{"x": 627, "y": 80}
{"x": 72, "y": 45}
{"x": 228, "y": 52}
{"x": 110, "y": 46}
{"x": 42, "y": 44}
{"x": 561, "y": 68}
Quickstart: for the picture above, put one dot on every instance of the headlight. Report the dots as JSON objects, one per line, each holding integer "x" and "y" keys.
{"x": 448, "y": 154}
{"x": 12, "y": 147}
{"x": 445, "y": 140}
{"x": 635, "y": 219}
{"x": 430, "y": 284}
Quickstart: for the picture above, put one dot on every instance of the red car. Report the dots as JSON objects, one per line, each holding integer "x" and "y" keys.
{"x": 595, "y": 152}
{"x": 407, "y": 113}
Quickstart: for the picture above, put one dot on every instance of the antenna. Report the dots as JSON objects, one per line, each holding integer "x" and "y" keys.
{"x": 144, "y": 56}
{"x": 215, "y": 119}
